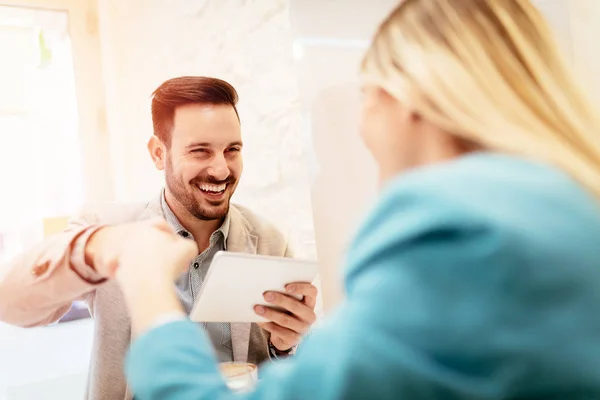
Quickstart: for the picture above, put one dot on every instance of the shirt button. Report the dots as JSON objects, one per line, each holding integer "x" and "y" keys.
{"x": 196, "y": 265}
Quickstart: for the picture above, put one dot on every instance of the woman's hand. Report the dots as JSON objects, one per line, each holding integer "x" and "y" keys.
{"x": 153, "y": 252}
{"x": 152, "y": 257}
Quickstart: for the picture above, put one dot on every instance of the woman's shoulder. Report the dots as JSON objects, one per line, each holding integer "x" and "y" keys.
{"x": 492, "y": 187}
{"x": 520, "y": 207}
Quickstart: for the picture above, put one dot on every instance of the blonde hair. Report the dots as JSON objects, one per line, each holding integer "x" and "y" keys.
{"x": 489, "y": 72}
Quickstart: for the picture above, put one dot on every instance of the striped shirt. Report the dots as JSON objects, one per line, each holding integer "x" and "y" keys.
{"x": 190, "y": 283}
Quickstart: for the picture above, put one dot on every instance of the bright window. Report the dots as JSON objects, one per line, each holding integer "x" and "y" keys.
{"x": 40, "y": 153}
{"x": 41, "y": 177}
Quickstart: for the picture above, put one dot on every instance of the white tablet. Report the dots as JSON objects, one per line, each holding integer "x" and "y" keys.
{"x": 236, "y": 282}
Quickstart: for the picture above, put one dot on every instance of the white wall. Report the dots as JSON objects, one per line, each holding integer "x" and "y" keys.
{"x": 576, "y": 26}
{"x": 247, "y": 43}
{"x": 330, "y": 37}
{"x": 585, "y": 31}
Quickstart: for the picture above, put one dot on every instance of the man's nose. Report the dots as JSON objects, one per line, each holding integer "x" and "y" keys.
{"x": 218, "y": 168}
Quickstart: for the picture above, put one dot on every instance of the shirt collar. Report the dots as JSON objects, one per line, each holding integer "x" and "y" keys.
{"x": 173, "y": 221}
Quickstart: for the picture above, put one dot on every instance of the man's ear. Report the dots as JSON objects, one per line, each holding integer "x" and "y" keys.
{"x": 158, "y": 152}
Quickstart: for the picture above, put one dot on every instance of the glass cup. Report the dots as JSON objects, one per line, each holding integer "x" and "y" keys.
{"x": 240, "y": 377}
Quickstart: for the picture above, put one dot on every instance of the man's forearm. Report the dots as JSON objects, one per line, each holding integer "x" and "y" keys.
{"x": 40, "y": 284}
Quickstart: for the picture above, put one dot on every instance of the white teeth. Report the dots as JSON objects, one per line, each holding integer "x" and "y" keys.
{"x": 212, "y": 188}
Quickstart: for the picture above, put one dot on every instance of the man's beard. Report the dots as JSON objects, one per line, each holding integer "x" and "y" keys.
{"x": 184, "y": 195}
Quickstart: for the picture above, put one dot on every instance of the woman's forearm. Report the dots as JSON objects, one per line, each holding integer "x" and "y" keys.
{"x": 150, "y": 303}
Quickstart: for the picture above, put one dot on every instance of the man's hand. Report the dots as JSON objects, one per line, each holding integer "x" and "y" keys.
{"x": 106, "y": 246}
{"x": 287, "y": 328}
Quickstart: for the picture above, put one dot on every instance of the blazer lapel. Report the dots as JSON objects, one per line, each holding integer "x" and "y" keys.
{"x": 240, "y": 240}
{"x": 153, "y": 209}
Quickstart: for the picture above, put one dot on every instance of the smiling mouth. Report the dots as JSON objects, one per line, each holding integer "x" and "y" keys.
{"x": 212, "y": 190}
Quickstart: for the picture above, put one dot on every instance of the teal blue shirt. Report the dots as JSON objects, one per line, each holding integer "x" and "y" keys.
{"x": 474, "y": 279}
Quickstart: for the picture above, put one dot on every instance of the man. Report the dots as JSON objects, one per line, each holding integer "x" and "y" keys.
{"x": 197, "y": 143}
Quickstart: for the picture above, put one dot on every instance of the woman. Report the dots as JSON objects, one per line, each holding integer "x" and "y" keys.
{"x": 476, "y": 276}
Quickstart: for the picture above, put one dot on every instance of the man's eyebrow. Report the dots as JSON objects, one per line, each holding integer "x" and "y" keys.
{"x": 197, "y": 144}
{"x": 206, "y": 144}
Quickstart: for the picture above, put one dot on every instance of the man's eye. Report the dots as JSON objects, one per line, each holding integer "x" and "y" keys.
{"x": 199, "y": 151}
{"x": 234, "y": 149}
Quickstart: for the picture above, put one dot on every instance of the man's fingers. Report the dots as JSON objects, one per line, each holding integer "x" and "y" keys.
{"x": 309, "y": 291}
{"x": 296, "y": 307}
{"x": 282, "y": 319}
